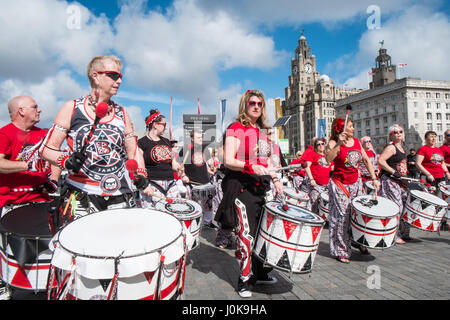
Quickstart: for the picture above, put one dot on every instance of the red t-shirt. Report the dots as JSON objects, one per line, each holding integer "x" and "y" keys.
{"x": 446, "y": 151}
{"x": 433, "y": 157}
{"x": 17, "y": 144}
{"x": 320, "y": 168}
{"x": 299, "y": 172}
{"x": 254, "y": 147}
{"x": 347, "y": 162}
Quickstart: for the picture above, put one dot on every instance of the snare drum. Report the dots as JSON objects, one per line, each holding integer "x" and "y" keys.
{"x": 424, "y": 210}
{"x": 323, "y": 206}
{"x": 205, "y": 191}
{"x": 369, "y": 188}
{"x": 122, "y": 254}
{"x": 288, "y": 240}
{"x": 444, "y": 190}
{"x": 296, "y": 197}
{"x": 374, "y": 225}
{"x": 24, "y": 253}
{"x": 190, "y": 213}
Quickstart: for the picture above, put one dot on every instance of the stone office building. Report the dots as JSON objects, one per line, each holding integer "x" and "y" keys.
{"x": 308, "y": 98}
{"x": 417, "y": 105}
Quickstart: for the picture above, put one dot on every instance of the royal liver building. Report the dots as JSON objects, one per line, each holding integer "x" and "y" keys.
{"x": 309, "y": 99}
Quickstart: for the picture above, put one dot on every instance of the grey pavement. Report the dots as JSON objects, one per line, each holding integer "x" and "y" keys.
{"x": 417, "y": 270}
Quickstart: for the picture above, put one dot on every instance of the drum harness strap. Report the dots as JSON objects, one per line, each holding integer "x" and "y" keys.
{"x": 160, "y": 188}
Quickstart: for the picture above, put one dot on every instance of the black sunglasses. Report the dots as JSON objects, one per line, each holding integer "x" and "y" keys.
{"x": 114, "y": 75}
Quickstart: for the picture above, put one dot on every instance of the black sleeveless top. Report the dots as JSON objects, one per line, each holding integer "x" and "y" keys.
{"x": 157, "y": 158}
{"x": 398, "y": 161}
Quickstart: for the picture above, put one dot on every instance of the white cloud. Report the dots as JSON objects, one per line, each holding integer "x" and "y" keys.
{"x": 183, "y": 50}
{"x": 50, "y": 95}
{"x": 417, "y": 37}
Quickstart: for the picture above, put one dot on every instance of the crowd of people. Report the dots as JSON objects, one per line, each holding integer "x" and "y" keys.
{"x": 239, "y": 168}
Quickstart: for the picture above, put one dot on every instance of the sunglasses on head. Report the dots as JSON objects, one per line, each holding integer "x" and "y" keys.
{"x": 253, "y": 103}
{"x": 114, "y": 75}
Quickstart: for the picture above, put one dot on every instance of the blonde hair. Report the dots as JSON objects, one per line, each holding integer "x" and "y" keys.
{"x": 97, "y": 64}
{"x": 243, "y": 117}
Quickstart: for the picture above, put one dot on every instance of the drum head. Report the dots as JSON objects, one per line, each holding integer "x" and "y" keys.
{"x": 444, "y": 188}
{"x": 120, "y": 232}
{"x": 28, "y": 221}
{"x": 295, "y": 213}
{"x": 384, "y": 208}
{"x": 181, "y": 208}
{"x": 428, "y": 197}
{"x": 294, "y": 193}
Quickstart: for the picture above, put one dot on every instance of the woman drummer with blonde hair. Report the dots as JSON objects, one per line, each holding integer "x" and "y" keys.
{"x": 393, "y": 163}
{"x": 247, "y": 156}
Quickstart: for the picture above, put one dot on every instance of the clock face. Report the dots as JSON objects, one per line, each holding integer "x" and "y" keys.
{"x": 308, "y": 68}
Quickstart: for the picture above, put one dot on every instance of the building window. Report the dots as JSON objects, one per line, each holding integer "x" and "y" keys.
{"x": 439, "y": 127}
{"x": 439, "y": 116}
{"x": 447, "y": 96}
{"x": 368, "y": 132}
{"x": 377, "y": 121}
{"x": 415, "y": 104}
{"x": 428, "y": 105}
{"x": 367, "y": 123}
{"x": 429, "y": 116}
{"x": 447, "y": 116}
{"x": 367, "y": 113}
{"x": 415, "y": 93}
{"x": 416, "y": 115}
{"x": 385, "y": 120}
{"x": 438, "y": 105}
{"x": 447, "y": 106}
{"x": 393, "y": 107}
{"x": 416, "y": 126}
{"x": 428, "y": 95}
{"x": 384, "y": 109}
{"x": 438, "y": 95}
{"x": 394, "y": 117}
{"x": 429, "y": 126}
{"x": 377, "y": 131}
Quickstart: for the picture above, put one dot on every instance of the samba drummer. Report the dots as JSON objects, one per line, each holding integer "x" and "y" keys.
{"x": 247, "y": 156}
{"x": 159, "y": 161}
{"x": 345, "y": 184}
{"x": 24, "y": 176}
{"x": 366, "y": 143}
{"x": 393, "y": 162}
{"x": 97, "y": 173}
{"x": 318, "y": 171}
{"x": 431, "y": 162}
{"x": 195, "y": 172}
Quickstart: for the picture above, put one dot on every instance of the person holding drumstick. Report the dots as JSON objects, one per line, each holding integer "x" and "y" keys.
{"x": 159, "y": 161}
{"x": 195, "y": 171}
{"x": 247, "y": 156}
{"x": 318, "y": 171}
{"x": 393, "y": 162}
{"x": 430, "y": 161}
{"x": 345, "y": 184}
{"x": 373, "y": 156}
{"x": 99, "y": 145}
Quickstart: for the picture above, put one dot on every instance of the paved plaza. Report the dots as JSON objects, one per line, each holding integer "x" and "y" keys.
{"x": 418, "y": 269}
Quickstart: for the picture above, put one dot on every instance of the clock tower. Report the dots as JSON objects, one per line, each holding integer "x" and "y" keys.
{"x": 303, "y": 78}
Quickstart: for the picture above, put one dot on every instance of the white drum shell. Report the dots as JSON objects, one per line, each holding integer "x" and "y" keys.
{"x": 192, "y": 222}
{"x": 285, "y": 243}
{"x": 377, "y": 226}
{"x": 424, "y": 210}
{"x": 324, "y": 206}
{"x": 139, "y": 263}
{"x": 296, "y": 197}
{"x": 444, "y": 191}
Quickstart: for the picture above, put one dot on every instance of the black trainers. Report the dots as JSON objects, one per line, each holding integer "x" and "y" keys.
{"x": 244, "y": 289}
{"x": 210, "y": 225}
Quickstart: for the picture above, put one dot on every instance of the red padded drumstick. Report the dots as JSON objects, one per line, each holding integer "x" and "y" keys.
{"x": 132, "y": 167}
{"x": 348, "y": 108}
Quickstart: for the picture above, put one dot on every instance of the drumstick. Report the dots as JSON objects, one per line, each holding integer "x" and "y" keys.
{"x": 163, "y": 198}
{"x": 132, "y": 167}
{"x": 292, "y": 166}
{"x": 348, "y": 108}
{"x": 100, "y": 111}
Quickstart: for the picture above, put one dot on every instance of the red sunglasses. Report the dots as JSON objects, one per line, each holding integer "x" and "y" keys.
{"x": 114, "y": 75}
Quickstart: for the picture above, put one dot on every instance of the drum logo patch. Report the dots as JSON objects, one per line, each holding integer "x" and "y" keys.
{"x": 353, "y": 159}
{"x": 110, "y": 184}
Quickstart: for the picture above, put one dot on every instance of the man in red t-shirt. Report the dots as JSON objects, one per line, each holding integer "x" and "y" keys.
{"x": 20, "y": 164}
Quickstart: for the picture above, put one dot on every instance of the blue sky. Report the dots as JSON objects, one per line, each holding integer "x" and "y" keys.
{"x": 210, "y": 49}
